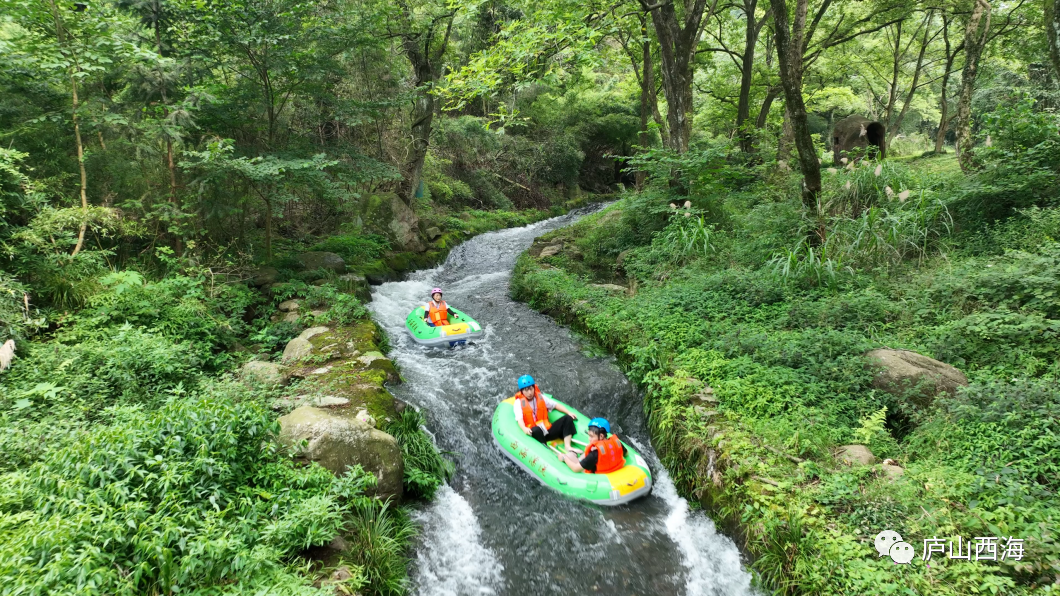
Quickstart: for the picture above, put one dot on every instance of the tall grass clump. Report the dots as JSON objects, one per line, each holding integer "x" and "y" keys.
{"x": 380, "y": 537}
{"x": 871, "y": 216}
{"x": 426, "y": 468}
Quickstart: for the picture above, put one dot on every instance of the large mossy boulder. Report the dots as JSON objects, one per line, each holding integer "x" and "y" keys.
{"x": 337, "y": 440}
{"x": 912, "y": 376}
{"x": 265, "y": 373}
{"x": 263, "y": 276}
{"x": 387, "y": 214}
{"x": 314, "y": 260}
{"x": 856, "y": 455}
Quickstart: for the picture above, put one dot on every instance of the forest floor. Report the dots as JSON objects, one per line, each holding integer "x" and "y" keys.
{"x": 755, "y": 375}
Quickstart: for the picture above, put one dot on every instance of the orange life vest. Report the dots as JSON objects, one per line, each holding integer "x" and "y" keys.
{"x": 528, "y": 413}
{"x": 609, "y": 456}
{"x": 438, "y": 314}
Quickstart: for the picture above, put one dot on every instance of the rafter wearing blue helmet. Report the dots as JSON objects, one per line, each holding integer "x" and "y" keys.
{"x": 531, "y": 413}
{"x": 604, "y": 454}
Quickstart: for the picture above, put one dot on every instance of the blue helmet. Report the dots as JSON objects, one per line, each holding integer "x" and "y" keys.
{"x": 601, "y": 424}
{"x": 526, "y": 381}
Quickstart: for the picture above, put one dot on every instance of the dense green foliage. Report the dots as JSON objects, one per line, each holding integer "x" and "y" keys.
{"x": 723, "y": 300}
{"x": 187, "y": 498}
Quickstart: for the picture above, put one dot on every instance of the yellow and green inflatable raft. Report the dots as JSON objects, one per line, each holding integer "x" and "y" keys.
{"x": 460, "y": 329}
{"x": 616, "y": 488}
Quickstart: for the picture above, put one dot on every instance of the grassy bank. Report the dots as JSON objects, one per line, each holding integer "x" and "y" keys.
{"x": 750, "y": 344}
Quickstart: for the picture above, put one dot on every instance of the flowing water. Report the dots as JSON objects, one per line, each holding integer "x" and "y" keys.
{"x": 495, "y": 530}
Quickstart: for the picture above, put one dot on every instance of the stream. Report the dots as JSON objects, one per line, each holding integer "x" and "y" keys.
{"x": 494, "y": 530}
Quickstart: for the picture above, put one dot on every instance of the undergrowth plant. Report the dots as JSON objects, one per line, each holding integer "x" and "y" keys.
{"x": 191, "y": 496}
{"x": 426, "y": 468}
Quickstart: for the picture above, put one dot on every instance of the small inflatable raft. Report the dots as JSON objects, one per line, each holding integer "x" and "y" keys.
{"x": 460, "y": 329}
{"x": 616, "y": 488}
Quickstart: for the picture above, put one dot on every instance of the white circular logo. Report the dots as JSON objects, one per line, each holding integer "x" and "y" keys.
{"x": 885, "y": 540}
{"x": 901, "y": 552}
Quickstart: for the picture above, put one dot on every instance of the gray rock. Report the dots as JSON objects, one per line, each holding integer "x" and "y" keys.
{"x": 291, "y": 317}
{"x": 329, "y": 401}
{"x": 611, "y": 287}
{"x": 263, "y": 276}
{"x": 321, "y": 371}
{"x": 907, "y": 374}
{"x": 551, "y": 250}
{"x": 267, "y": 373}
{"x": 339, "y": 543}
{"x": 433, "y": 233}
{"x": 856, "y": 454}
{"x": 312, "y": 332}
{"x": 288, "y": 305}
{"x": 893, "y": 472}
{"x": 322, "y": 260}
{"x": 297, "y": 349}
{"x": 369, "y": 357}
{"x": 356, "y": 285}
{"x": 365, "y": 417}
{"x": 335, "y": 439}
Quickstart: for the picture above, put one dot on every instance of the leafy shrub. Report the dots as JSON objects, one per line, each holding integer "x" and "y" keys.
{"x": 120, "y": 365}
{"x": 355, "y": 248}
{"x": 1020, "y": 169}
{"x": 14, "y": 322}
{"x": 999, "y": 424}
{"x": 200, "y": 310}
{"x": 342, "y": 308}
{"x": 192, "y": 496}
{"x": 273, "y": 337}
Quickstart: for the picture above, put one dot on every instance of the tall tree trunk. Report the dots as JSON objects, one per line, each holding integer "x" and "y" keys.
{"x": 60, "y": 33}
{"x": 422, "y": 122}
{"x": 664, "y": 131}
{"x": 944, "y": 105}
{"x": 1052, "y": 32}
{"x": 81, "y": 166}
{"x": 789, "y": 53}
{"x": 767, "y": 104}
{"x": 426, "y": 58}
{"x": 647, "y": 83}
{"x": 268, "y": 227}
{"x": 892, "y": 127}
{"x": 677, "y": 45}
{"x": 178, "y": 247}
{"x": 743, "y": 106}
{"x": 896, "y": 64}
{"x": 975, "y": 36}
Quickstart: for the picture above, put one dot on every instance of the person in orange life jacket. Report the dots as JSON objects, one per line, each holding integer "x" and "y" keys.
{"x": 436, "y": 312}
{"x": 604, "y": 453}
{"x": 531, "y": 413}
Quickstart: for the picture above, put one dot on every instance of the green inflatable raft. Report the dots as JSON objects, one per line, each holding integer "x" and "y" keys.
{"x": 616, "y": 488}
{"x": 460, "y": 329}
